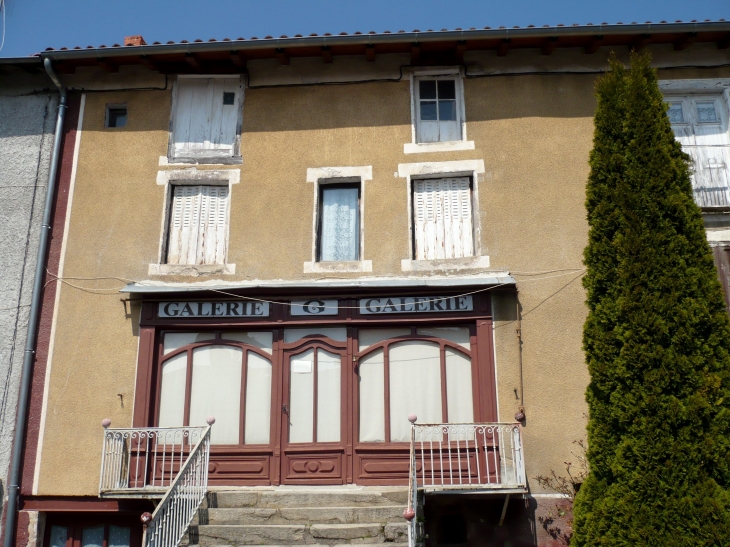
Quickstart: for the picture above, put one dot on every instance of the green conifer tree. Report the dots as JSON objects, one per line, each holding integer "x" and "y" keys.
{"x": 657, "y": 337}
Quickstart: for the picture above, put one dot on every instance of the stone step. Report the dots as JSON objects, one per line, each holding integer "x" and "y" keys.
{"x": 306, "y": 515}
{"x": 277, "y": 534}
{"x": 278, "y": 498}
{"x": 251, "y": 535}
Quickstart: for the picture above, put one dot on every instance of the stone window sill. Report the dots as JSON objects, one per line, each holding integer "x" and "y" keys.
{"x": 468, "y": 263}
{"x": 185, "y": 161}
{"x": 453, "y": 146}
{"x": 192, "y": 270}
{"x": 339, "y": 267}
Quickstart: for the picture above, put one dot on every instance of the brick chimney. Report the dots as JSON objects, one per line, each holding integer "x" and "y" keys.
{"x": 134, "y": 41}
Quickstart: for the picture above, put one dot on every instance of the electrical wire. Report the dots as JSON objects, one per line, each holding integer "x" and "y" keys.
{"x": 115, "y": 290}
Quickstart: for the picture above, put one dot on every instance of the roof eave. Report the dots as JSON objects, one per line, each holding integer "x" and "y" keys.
{"x": 388, "y": 38}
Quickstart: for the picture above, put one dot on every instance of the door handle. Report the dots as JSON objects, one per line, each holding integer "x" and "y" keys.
{"x": 286, "y": 410}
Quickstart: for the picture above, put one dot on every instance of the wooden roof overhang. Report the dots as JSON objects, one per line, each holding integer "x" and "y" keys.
{"x": 424, "y": 48}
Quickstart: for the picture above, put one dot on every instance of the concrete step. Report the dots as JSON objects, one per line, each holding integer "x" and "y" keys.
{"x": 326, "y": 534}
{"x": 306, "y": 515}
{"x": 278, "y": 498}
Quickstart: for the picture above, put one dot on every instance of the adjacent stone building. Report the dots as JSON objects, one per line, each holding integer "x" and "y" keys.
{"x": 27, "y": 121}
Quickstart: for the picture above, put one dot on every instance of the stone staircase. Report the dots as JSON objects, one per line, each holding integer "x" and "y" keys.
{"x": 317, "y": 516}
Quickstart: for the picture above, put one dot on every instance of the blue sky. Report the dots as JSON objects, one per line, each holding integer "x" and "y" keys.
{"x": 33, "y": 25}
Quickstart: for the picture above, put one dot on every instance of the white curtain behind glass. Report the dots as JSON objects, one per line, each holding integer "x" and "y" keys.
{"x": 415, "y": 386}
{"x": 339, "y": 239}
{"x": 216, "y": 391}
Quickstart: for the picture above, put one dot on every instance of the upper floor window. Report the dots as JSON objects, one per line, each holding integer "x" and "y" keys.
{"x": 198, "y": 224}
{"x": 442, "y": 218}
{"x": 206, "y": 119}
{"x": 700, "y": 124}
{"x": 339, "y": 222}
{"x": 438, "y": 109}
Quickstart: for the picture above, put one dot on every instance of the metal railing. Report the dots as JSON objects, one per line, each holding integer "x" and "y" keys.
{"x": 474, "y": 457}
{"x": 464, "y": 456}
{"x": 172, "y": 517}
{"x": 143, "y": 460}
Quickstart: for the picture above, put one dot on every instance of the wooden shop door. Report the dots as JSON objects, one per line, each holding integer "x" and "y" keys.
{"x": 314, "y": 417}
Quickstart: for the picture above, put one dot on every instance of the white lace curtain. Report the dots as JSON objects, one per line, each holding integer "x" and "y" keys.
{"x": 339, "y": 238}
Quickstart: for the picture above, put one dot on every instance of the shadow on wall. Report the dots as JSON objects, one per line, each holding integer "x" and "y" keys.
{"x": 384, "y": 104}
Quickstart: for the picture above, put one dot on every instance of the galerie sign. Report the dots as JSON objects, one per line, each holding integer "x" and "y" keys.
{"x": 239, "y": 308}
{"x": 415, "y": 304}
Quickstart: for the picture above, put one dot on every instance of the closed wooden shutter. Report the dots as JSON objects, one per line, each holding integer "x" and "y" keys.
{"x": 198, "y": 220}
{"x": 442, "y": 218}
{"x": 202, "y": 124}
{"x": 700, "y": 125}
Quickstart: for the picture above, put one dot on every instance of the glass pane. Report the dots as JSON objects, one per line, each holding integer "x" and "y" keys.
{"x": 339, "y": 236}
{"x": 263, "y": 340}
{"x": 301, "y": 390}
{"x": 175, "y": 340}
{"x": 458, "y": 387}
{"x": 415, "y": 386}
{"x": 368, "y": 337}
{"x": 119, "y": 536}
{"x": 59, "y": 534}
{"x": 428, "y": 110}
{"x": 338, "y": 334}
{"x": 447, "y": 110}
{"x": 676, "y": 115}
{"x": 372, "y": 398}
{"x": 427, "y": 89}
{"x": 458, "y": 335}
{"x": 92, "y": 537}
{"x": 172, "y": 392}
{"x": 706, "y": 112}
{"x": 447, "y": 89}
{"x": 216, "y": 391}
{"x": 258, "y": 400}
{"x": 328, "y": 397}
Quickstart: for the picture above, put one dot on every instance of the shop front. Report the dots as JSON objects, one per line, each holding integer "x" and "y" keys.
{"x": 314, "y": 389}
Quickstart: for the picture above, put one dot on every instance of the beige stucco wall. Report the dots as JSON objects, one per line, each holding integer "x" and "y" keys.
{"x": 533, "y": 134}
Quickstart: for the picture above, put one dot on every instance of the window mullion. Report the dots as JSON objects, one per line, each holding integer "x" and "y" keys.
{"x": 386, "y": 393}
{"x": 188, "y": 387}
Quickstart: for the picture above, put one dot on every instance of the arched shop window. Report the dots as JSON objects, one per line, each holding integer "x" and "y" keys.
{"x": 422, "y": 371}
{"x": 222, "y": 374}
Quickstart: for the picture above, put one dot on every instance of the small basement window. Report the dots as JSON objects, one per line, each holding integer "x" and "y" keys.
{"x": 116, "y": 115}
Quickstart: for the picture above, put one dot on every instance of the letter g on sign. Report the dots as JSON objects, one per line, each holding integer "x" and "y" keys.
{"x": 314, "y": 306}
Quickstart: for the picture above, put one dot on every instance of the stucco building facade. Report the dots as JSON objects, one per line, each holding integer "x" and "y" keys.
{"x": 27, "y": 114}
{"x": 310, "y": 241}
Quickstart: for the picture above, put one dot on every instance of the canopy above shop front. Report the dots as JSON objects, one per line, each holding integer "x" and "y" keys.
{"x": 481, "y": 280}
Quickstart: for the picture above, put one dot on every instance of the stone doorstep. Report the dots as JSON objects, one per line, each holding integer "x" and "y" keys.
{"x": 306, "y": 515}
{"x": 297, "y": 535}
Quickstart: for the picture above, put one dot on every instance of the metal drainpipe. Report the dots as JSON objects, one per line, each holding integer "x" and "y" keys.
{"x": 30, "y": 343}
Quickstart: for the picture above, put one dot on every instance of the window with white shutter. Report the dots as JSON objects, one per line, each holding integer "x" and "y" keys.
{"x": 700, "y": 124}
{"x": 442, "y": 218}
{"x": 206, "y": 118}
{"x": 198, "y": 225}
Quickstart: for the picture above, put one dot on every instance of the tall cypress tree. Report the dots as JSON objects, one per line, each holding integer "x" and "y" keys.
{"x": 657, "y": 337}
